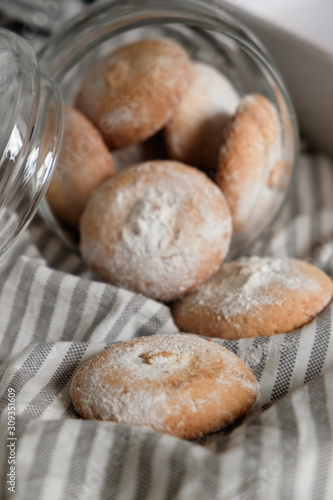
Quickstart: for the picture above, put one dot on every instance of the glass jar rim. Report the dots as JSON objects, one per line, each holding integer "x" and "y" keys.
{"x": 53, "y": 56}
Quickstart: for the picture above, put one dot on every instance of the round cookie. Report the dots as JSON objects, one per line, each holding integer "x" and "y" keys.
{"x": 132, "y": 93}
{"x": 250, "y": 162}
{"x": 254, "y": 297}
{"x": 84, "y": 163}
{"x": 195, "y": 132}
{"x": 160, "y": 228}
{"x": 176, "y": 384}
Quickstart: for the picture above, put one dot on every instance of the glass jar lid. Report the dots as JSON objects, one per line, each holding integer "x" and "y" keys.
{"x": 28, "y": 149}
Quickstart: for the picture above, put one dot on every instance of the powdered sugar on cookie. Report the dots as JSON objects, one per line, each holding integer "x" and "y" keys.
{"x": 167, "y": 228}
{"x": 179, "y": 384}
{"x": 253, "y": 297}
{"x": 246, "y": 283}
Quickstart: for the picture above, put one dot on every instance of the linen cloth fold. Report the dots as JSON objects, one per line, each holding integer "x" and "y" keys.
{"x": 54, "y": 315}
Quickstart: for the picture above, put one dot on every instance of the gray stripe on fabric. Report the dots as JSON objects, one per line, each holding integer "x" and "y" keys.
{"x": 76, "y": 476}
{"x": 231, "y": 345}
{"x": 47, "y": 306}
{"x": 177, "y": 470}
{"x": 77, "y": 304}
{"x": 58, "y": 381}
{"x": 320, "y": 345}
{"x": 132, "y": 307}
{"x": 106, "y": 303}
{"x": 116, "y": 461}
{"x": 318, "y": 407}
{"x": 210, "y": 470}
{"x": 289, "y": 449}
{"x": 19, "y": 306}
{"x": 286, "y": 366}
{"x": 70, "y": 412}
{"x": 155, "y": 323}
{"x": 43, "y": 455}
{"x": 261, "y": 343}
{"x": 27, "y": 371}
{"x": 145, "y": 466}
{"x": 5, "y": 273}
{"x": 8, "y": 266}
{"x": 251, "y": 457}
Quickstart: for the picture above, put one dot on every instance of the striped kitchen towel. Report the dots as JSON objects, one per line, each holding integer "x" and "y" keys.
{"x": 54, "y": 315}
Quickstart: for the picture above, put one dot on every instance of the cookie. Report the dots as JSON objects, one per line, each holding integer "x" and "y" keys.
{"x": 176, "y": 384}
{"x": 254, "y": 297}
{"x": 195, "y": 132}
{"x": 84, "y": 163}
{"x": 250, "y": 163}
{"x": 160, "y": 228}
{"x": 132, "y": 93}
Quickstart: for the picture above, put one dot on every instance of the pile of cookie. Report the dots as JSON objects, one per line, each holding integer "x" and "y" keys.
{"x": 161, "y": 164}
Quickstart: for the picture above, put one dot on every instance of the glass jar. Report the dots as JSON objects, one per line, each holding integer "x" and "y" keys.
{"x": 207, "y": 31}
